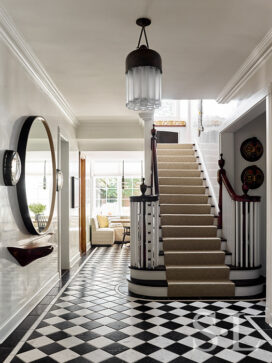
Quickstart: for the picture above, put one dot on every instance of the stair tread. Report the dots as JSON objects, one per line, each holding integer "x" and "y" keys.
{"x": 186, "y": 204}
{"x": 206, "y": 267}
{"x": 188, "y": 214}
{"x": 191, "y": 238}
{"x": 196, "y": 252}
{"x": 194, "y": 195}
{"x": 189, "y": 226}
{"x": 177, "y": 282}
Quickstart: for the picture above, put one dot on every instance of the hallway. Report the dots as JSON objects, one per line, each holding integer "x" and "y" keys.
{"x": 93, "y": 320}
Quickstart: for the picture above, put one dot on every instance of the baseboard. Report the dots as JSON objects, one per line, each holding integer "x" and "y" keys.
{"x": 74, "y": 259}
{"x": 268, "y": 316}
{"x": 7, "y": 328}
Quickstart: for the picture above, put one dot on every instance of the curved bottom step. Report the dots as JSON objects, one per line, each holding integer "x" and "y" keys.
{"x": 158, "y": 289}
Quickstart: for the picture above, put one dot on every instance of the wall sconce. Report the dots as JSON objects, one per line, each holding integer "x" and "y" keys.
{"x": 59, "y": 179}
{"x": 11, "y": 167}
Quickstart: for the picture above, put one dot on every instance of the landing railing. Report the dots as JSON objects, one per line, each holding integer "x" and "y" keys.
{"x": 145, "y": 219}
{"x": 241, "y": 225}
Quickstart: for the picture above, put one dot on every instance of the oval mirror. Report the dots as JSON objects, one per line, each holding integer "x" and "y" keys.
{"x": 36, "y": 189}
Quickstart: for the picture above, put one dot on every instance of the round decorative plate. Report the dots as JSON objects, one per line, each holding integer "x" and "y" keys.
{"x": 252, "y": 176}
{"x": 251, "y": 149}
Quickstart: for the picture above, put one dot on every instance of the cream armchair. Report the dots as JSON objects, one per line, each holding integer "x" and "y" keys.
{"x": 118, "y": 225}
{"x": 101, "y": 236}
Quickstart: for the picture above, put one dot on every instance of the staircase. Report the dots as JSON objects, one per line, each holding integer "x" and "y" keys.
{"x": 195, "y": 264}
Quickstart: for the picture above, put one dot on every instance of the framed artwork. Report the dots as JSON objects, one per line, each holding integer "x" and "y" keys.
{"x": 170, "y": 123}
{"x": 251, "y": 149}
{"x": 252, "y": 176}
{"x": 75, "y": 192}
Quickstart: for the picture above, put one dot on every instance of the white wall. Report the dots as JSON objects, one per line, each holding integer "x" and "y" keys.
{"x": 255, "y": 128}
{"x": 214, "y": 117}
{"x": 21, "y": 97}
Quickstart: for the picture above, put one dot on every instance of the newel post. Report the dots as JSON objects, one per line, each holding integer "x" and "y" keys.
{"x": 221, "y": 172}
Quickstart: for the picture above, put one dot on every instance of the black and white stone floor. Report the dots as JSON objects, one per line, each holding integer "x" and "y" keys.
{"x": 94, "y": 320}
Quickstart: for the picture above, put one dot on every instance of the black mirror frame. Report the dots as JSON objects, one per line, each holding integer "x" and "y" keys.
{"x": 21, "y": 187}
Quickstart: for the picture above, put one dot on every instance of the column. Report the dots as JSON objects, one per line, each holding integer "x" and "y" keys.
{"x": 148, "y": 119}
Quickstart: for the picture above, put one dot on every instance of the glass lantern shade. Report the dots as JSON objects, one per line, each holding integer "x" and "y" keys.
{"x": 143, "y": 88}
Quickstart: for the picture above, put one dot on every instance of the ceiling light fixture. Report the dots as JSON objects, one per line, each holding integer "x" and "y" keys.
{"x": 143, "y": 74}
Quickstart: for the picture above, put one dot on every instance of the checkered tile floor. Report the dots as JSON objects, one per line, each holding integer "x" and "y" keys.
{"x": 93, "y": 322}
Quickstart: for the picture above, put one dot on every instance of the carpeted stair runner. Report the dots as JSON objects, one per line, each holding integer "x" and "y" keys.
{"x": 195, "y": 264}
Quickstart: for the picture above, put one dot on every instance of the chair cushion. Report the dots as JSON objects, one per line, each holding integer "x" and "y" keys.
{"x": 103, "y": 221}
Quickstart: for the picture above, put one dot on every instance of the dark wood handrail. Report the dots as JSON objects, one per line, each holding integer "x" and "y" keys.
{"x": 154, "y": 164}
{"x": 223, "y": 179}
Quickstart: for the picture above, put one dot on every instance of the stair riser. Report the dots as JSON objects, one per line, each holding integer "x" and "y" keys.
{"x": 185, "y": 209}
{"x": 175, "y": 146}
{"x": 179, "y": 173}
{"x": 176, "y": 189}
{"x": 172, "y": 158}
{"x": 176, "y": 165}
{"x": 188, "y": 259}
{"x": 182, "y": 231}
{"x": 183, "y": 199}
{"x": 197, "y": 274}
{"x": 180, "y": 181}
{"x": 203, "y": 290}
{"x": 176, "y": 152}
{"x": 192, "y": 245}
{"x": 175, "y": 220}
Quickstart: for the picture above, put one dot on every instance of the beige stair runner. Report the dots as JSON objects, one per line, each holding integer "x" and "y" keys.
{"x": 195, "y": 264}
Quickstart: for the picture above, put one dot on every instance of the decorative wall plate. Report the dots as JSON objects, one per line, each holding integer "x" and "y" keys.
{"x": 251, "y": 149}
{"x": 252, "y": 176}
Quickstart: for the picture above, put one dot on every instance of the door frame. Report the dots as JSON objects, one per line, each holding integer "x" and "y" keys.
{"x": 82, "y": 212}
{"x": 63, "y": 205}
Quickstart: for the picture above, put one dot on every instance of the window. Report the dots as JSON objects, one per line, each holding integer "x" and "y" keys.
{"x": 111, "y": 199}
{"x": 132, "y": 187}
{"x": 106, "y": 196}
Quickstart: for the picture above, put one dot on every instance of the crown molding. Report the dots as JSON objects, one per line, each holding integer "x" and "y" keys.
{"x": 16, "y": 43}
{"x": 256, "y": 58}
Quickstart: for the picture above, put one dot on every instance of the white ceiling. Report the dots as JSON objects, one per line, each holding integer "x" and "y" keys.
{"x": 83, "y": 45}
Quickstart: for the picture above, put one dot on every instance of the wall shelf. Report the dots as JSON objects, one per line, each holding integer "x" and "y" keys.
{"x": 29, "y": 251}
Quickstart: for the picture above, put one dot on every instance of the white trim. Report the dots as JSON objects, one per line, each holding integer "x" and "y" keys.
{"x": 206, "y": 175}
{"x": 256, "y": 58}
{"x": 7, "y": 328}
{"x": 74, "y": 259}
{"x": 152, "y": 291}
{"x": 246, "y": 108}
{"x": 16, "y": 43}
{"x": 241, "y": 291}
{"x": 257, "y": 327}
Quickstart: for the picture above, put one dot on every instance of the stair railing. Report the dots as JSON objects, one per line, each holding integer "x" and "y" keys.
{"x": 241, "y": 225}
{"x": 145, "y": 219}
{"x": 154, "y": 165}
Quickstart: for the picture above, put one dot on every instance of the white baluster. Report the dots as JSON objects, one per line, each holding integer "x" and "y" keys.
{"x": 255, "y": 234}
{"x": 246, "y": 233}
{"x": 156, "y": 234}
{"x": 251, "y": 233}
{"x": 258, "y": 235}
{"x": 241, "y": 235}
{"x": 132, "y": 228}
{"x": 142, "y": 236}
{"x": 237, "y": 224}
